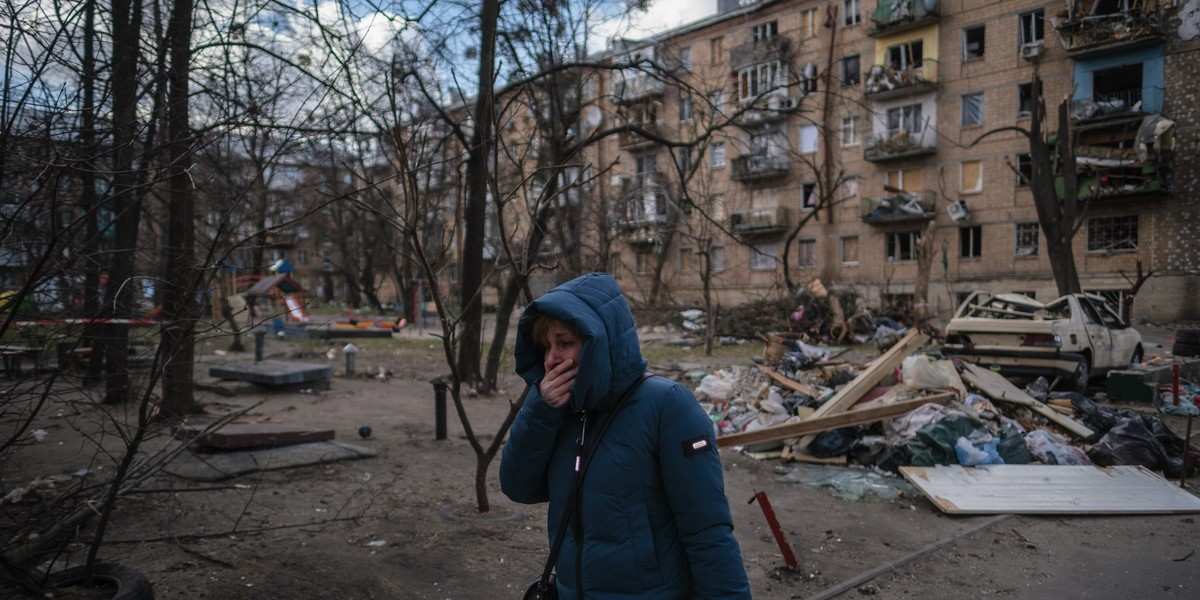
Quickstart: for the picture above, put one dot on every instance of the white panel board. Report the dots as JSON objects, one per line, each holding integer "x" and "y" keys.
{"x": 1050, "y": 489}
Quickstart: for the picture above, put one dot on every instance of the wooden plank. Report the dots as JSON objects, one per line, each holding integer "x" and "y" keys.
{"x": 1050, "y": 489}
{"x": 869, "y": 378}
{"x": 995, "y": 386}
{"x": 790, "y": 383}
{"x": 836, "y": 421}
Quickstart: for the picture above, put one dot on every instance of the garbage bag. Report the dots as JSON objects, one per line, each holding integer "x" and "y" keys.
{"x": 1144, "y": 441}
{"x": 1012, "y": 446}
{"x": 1052, "y": 449}
{"x": 970, "y": 455}
{"x": 922, "y": 371}
{"x": 716, "y": 386}
{"x": 1098, "y": 418}
{"x": 935, "y": 443}
{"x": 834, "y": 442}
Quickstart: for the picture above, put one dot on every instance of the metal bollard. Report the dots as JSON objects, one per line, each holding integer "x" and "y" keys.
{"x": 351, "y": 350}
{"x": 260, "y": 338}
{"x": 439, "y": 408}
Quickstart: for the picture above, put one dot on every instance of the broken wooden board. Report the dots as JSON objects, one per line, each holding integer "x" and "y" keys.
{"x": 219, "y": 466}
{"x": 956, "y": 382}
{"x": 995, "y": 386}
{"x": 791, "y": 384}
{"x": 837, "y": 421}
{"x": 879, "y": 368}
{"x": 1050, "y": 489}
{"x": 233, "y": 436}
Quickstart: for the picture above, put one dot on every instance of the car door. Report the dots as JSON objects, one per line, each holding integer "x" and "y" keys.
{"x": 1124, "y": 338}
{"x": 1098, "y": 335}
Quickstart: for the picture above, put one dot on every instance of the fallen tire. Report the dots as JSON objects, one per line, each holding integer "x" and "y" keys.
{"x": 1179, "y": 349}
{"x": 130, "y": 585}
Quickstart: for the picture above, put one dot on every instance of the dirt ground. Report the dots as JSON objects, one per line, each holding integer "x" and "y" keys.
{"x": 394, "y": 526}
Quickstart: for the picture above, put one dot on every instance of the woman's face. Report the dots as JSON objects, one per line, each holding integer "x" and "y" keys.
{"x": 561, "y": 346}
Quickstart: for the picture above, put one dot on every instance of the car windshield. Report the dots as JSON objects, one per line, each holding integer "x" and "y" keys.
{"x": 1015, "y": 306}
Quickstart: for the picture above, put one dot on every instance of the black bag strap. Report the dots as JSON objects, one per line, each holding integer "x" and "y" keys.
{"x": 581, "y": 466}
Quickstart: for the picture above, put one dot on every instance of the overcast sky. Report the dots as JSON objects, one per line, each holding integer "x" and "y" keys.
{"x": 663, "y": 14}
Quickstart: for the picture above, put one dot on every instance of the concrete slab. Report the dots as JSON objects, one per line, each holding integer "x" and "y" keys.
{"x": 219, "y": 466}
{"x": 254, "y": 435}
{"x": 273, "y": 372}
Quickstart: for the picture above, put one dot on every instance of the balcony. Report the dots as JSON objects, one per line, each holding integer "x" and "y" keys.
{"x": 884, "y": 82}
{"x": 745, "y": 55}
{"x": 632, "y": 140}
{"x": 774, "y": 108}
{"x": 632, "y": 86}
{"x": 901, "y": 208}
{"x": 1083, "y": 35}
{"x": 645, "y": 207}
{"x": 751, "y": 168}
{"x": 760, "y": 221}
{"x": 897, "y": 16}
{"x": 898, "y": 144}
{"x": 1114, "y": 163}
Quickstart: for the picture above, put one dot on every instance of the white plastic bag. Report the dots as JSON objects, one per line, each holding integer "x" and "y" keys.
{"x": 921, "y": 371}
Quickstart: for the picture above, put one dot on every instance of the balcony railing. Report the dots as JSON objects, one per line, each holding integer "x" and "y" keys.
{"x": 897, "y": 16}
{"x": 898, "y": 144}
{"x": 759, "y": 221}
{"x": 632, "y": 139}
{"x": 759, "y": 167}
{"x": 645, "y": 206}
{"x": 900, "y": 208}
{"x": 884, "y": 82}
{"x": 1086, "y": 34}
{"x": 744, "y": 55}
{"x": 635, "y": 85}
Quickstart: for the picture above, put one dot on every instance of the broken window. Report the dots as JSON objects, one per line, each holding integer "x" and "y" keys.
{"x": 851, "y": 70}
{"x": 1024, "y": 170}
{"x": 1025, "y": 242}
{"x": 906, "y": 118}
{"x": 1032, "y": 27}
{"x": 1024, "y": 99}
{"x": 808, "y": 196}
{"x": 972, "y": 109}
{"x": 1112, "y": 234}
{"x": 1119, "y": 87}
{"x": 850, "y": 10}
{"x": 973, "y": 43}
{"x": 972, "y": 176}
{"x": 716, "y": 259}
{"x": 970, "y": 242}
{"x": 908, "y": 55}
{"x": 902, "y": 245}
{"x": 808, "y": 139}
{"x": 754, "y": 81}
{"x": 765, "y": 31}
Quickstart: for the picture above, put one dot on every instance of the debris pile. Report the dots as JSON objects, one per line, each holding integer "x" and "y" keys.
{"x": 911, "y": 407}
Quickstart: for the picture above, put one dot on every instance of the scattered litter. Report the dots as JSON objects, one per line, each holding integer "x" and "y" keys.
{"x": 850, "y": 483}
{"x": 376, "y": 543}
{"x": 39, "y": 435}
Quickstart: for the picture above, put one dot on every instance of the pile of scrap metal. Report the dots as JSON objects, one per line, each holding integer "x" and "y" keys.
{"x": 909, "y": 407}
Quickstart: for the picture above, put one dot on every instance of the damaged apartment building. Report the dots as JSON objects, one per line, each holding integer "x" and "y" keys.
{"x": 876, "y": 145}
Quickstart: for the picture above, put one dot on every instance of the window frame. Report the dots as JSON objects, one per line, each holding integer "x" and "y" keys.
{"x": 806, "y": 253}
{"x": 851, "y": 76}
{"x": 850, "y": 125}
{"x": 967, "y": 55}
{"x": 901, "y": 246}
{"x": 1024, "y": 98}
{"x": 687, "y": 109}
{"x": 759, "y": 257}
{"x": 963, "y": 109}
{"x": 716, "y": 155}
{"x": 1024, "y": 167}
{"x": 764, "y": 31}
{"x": 851, "y": 13}
{"x": 809, "y": 199}
{"x": 970, "y": 242}
{"x": 1112, "y": 222}
{"x": 1021, "y": 233}
{"x": 910, "y": 113}
{"x": 1036, "y": 27}
{"x": 809, "y": 133}
{"x": 843, "y": 244}
{"x": 962, "y": 173}
{"x": 717, "y": 259}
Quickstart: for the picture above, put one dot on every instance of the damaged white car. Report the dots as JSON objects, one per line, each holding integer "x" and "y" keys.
{"x": 1071, "y": 339}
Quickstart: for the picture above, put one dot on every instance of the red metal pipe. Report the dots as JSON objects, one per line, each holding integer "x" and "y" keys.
{"x": 780, "y": 539}
{"x": 1175, "y": 382}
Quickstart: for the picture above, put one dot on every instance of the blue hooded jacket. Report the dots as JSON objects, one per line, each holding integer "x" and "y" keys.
{"x": 654, "y": 520}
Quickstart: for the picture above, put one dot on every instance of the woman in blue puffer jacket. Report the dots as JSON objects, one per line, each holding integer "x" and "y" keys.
{"x": 652, "y": 519}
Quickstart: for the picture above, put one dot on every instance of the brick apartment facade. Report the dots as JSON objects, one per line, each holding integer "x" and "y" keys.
{"x": 873, "y": 114}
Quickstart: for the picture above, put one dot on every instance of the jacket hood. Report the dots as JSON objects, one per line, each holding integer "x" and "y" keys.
{"x": 611, "y": 358}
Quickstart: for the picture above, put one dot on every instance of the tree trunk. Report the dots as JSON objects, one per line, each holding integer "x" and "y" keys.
{"x": 182, "y": 277}
{"x": 475, "y": 211}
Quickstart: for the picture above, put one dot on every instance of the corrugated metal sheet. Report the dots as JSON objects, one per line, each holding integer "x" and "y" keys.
{"x": 1050, "y": 489}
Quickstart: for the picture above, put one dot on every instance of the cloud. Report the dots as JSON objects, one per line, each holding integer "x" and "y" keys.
{"x": 661, "y": 15}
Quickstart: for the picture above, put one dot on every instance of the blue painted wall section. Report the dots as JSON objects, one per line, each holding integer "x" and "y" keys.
{"x": 1151, "y": 58}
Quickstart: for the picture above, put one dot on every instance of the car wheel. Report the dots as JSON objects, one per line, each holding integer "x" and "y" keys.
{"x": 1189, "y": 337}
{"x": 1082, "y": 376}
{"x": 1179, "y": 349}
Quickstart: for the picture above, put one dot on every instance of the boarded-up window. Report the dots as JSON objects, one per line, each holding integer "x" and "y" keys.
{"x": 909, "y": 180}
{"x": 972, "y": 176}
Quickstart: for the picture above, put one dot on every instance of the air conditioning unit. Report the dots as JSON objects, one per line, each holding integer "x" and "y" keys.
{"x": 1031, "y": 51}
{"x": 958, "y": 211}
